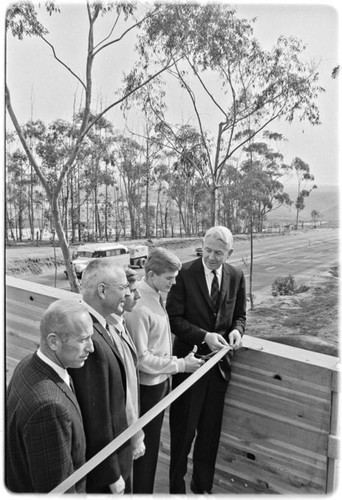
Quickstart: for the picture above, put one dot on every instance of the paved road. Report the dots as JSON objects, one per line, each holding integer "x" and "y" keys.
{"x": 300, "y": 254}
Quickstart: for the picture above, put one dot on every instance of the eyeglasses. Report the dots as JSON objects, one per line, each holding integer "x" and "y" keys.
{"x": 123, "y": 286}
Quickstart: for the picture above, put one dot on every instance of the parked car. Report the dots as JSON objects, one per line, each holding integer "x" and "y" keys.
{"x": 199, "y": 251}
{"x": 85, "y": 253}
{"x": 138, "y": 255}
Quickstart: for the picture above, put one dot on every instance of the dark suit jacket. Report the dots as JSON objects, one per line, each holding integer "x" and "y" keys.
{"x": 190, "y": 309}
{"x": 100, "y": 389}
{"x": 45, "y": 441}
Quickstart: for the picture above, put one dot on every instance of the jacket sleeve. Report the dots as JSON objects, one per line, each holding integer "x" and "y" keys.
{"x": 176, "y": 306}
{"x": 93, "y": 391}
{"x": 48, "y": 440}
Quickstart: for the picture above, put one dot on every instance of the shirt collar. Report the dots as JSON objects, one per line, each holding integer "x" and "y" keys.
{"x": 116, "y": 320}
{"x": 209, "y": 271}
{"x": 62, "y": 372}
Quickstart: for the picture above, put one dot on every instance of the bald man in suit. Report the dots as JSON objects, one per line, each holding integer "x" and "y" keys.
{"x": 207, "y": 308}
{"x": 45, "y": 441}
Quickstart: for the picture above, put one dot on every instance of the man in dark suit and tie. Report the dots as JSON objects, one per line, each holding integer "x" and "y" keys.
{"x": 101, "y": 384}
{"x": 45, "y": 441}
{"x": 207, "y": 308}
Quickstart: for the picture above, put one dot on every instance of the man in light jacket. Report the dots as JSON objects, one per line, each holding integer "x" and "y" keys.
{"x": 149, "y": 327}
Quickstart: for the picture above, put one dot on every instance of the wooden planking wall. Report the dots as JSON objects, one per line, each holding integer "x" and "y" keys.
{"x": 279, "y": 416}
{"x": 25, "y": 304}
{"x": 277, "y": 421}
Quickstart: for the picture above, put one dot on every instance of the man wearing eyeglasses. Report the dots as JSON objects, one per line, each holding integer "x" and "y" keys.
{"x": 101, "y": 384}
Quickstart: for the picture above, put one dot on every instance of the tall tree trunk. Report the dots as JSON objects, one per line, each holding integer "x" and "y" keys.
{"x": 213, "y": 194}
{"x": 72, "y": 208}
{"x": 106, "y": 211}
{"x": 30, "y": 207}
{"x": 251, "y": 298}
{"x": 74, "y": 284}
{"x": 9, "y": 224}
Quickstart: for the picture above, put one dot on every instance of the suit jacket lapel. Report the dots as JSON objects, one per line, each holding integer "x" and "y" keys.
{"x": 224, "y": 283}
{"x": 69, "y": 393}
{"x": 202, "y": 283}
{"x": 103, "y": 332}
{"x": 54, "y": 377}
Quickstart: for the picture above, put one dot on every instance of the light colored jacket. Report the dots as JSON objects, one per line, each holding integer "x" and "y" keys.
{"x": 149, "y": 327}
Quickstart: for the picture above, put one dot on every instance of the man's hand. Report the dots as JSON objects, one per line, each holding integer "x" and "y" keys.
{"x": 118, "y": 488}
{"x": 235, "y": 339}
{"x": 215, "y": 341}
{"x": 192, "y": 363}
{"x": 139, "y": 451}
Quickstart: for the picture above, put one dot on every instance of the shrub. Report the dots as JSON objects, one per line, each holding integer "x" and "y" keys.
{"x": 283, "y": 285}
{"x": 302, "y": 289}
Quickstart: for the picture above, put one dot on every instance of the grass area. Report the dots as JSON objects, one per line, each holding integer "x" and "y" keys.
{"x": 313, "y": 313}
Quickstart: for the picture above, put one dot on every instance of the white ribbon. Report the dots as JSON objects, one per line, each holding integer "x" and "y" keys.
{"x": 139, "y": 424}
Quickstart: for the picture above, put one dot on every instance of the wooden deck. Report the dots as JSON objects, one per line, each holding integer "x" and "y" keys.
{"x": 280, "y": 419}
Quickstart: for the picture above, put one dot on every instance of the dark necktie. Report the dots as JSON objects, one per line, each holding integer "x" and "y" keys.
{"x": 215, "y": 292}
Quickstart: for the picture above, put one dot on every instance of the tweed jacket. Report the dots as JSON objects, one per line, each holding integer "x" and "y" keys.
{"x": 45, "y": 441}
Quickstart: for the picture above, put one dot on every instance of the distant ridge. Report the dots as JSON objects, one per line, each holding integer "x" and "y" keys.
{"x": 324, "y": 199}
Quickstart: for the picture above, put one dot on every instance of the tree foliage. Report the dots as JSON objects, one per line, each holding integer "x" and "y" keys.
{"x": 226, "y": 172}
{"x": 248, "y": 87}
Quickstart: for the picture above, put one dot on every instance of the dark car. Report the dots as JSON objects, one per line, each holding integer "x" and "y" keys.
{"x": 199, "y": 251}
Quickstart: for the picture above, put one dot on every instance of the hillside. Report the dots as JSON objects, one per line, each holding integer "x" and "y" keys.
{"x": 324, "y": 199}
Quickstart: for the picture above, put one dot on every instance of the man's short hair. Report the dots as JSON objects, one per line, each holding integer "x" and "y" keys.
{"x": 59, "y": 317}
{"x": 97, "y": 271}
{"x": 131, "y": 275}
{"x": 221, "y": 233}
{"x": 160, "y": 260}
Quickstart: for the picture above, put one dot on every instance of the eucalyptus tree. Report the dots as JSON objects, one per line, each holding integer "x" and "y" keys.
{"x": 262, "y": 173}
{"x": 223, "y": 68}
{"x": 315, "y": 215}
{"x": 305, "y": 184}
{"x": 17, "y": 196}
{"x": 229, "y": 213}
{"x": 22, "y": 21}
{"x": 184, "y": 143}
{"x": 129, "y": 161}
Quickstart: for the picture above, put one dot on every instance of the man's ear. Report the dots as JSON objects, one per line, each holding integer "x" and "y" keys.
{"x": 101, "y": 289}
{"x": 52, "y": 341}
{"x": 230, "y": 252}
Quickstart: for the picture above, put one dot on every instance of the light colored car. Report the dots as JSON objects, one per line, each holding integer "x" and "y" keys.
{"x": 138, "y": 255}
{"x": 85, "y": 253}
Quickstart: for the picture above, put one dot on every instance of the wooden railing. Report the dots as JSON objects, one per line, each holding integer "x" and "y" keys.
{"x": 279, "y": 430}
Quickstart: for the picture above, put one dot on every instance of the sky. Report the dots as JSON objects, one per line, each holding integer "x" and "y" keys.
{"x": 41, "y": 89}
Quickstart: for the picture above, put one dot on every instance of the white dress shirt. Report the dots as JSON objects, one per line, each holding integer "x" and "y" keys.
{"x": 61, "y": 372}
{"x": 209, "y": 276}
